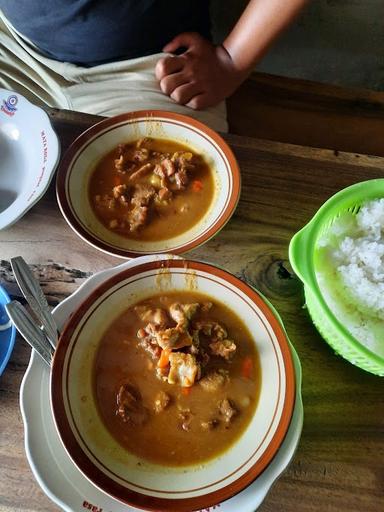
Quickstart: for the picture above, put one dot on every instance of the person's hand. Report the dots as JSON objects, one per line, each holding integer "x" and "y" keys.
{"x": 200, "y": 77}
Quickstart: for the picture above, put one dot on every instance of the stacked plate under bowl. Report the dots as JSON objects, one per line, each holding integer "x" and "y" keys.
{"x": 248, "y": 473}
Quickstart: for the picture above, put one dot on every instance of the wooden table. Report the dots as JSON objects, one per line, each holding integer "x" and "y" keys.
{"x": 339, "y": 462}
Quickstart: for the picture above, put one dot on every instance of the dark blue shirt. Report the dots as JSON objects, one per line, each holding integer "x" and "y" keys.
{"x": 90, "y": 32}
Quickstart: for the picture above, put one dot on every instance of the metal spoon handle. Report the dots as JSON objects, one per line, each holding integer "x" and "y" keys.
{"x": 27, "y": 327}
{"x": 35, "y": 297}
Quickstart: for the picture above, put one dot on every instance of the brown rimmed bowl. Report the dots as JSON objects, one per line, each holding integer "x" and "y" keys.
{"x": 94, "y": 450}
{"x": 90, "y": 147}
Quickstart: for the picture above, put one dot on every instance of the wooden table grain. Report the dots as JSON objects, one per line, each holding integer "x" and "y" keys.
{"x": 339, "y": 464}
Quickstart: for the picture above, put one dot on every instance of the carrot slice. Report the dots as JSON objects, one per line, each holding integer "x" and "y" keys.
{"x": 164, "y": 358}
{"x": 247, "y": 367}
{"x": 197, "y": 186}
{"x": 186, "y": 391}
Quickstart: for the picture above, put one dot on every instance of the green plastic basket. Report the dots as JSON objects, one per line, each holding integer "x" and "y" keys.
{"x": 302, "y": 257}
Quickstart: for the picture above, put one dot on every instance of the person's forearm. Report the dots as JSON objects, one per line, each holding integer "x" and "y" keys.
{"x": 260, "y": 24}
{"x": 205, "y": 74}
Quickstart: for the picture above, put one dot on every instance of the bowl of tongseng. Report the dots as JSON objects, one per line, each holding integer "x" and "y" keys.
{"x": 172, "y": 385}
{"x": 148, "y": 182}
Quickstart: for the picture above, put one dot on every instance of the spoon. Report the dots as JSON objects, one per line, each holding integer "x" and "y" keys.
{"x": 27, "y": 327}
{"x": 35, "y": 297}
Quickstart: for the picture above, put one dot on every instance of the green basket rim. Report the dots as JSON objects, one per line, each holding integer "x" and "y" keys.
{"x": 369, "y": 189}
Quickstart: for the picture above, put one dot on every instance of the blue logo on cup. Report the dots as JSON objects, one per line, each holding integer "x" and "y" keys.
{"x": 9, "y": 105}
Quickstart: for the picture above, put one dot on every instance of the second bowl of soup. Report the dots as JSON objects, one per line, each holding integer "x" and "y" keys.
{"x": 148, "y": 182}
{"x": 172, "y": 385}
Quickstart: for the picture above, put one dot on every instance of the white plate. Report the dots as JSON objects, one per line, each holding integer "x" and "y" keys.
{"x": 29, "y": 150}
{"x": 60, "y": 479}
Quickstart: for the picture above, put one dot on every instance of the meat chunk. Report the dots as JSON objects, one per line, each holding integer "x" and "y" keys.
{"x": 184, "y": 340}
{"x": 123, "y": 200}
{"x": 162, "y": 401}
{"x": 119, "y": 163}
{"x": 162, "y": 373}
{"x": 184, "y": 369}
{"x": 189, "y": 345}
{"x": 209, "y": 425}
{"x": 157, "y": 316}
{"x": 183, "y": 159}
{"x": 185, "y": 417}
{"x": 202, "y": 357}
{"x": 123, "y": 164}
{"x": 127, "y": 397}
{"x": 140, "y": 154}
{"x": 167, "y": 338}
{"x": 159, "y": 171}
{"x": 195, "y": 346}
{"x": 190, "y": 309}
{"x": 121, "y": 149}
{"x": 212, "y": 329}
{"x": 182, "y": 312}
{"x": 130, "y": 407}
{"x": 154, "y": 337}
{"x": 168, "y": 166}
{"x": 176, "y": 312}
{"x": 141, "y": 142}
{"x": 224, "y": 348}
{"x": 105, "y": 201}
{"x": 142, "y": 171}
{"x": 119, "y": 190}
{"x": 164, "y": 194}
{"x": 181, "y": 179}
{"x": 227, "y": 410}
{"x": 206, "y": 306}
{"x": 137, "y": 217}
{"x": 141, "y": 198}
{"x": 148, "y": 343}
{"x": 169, "y": 173}
{"x": 214, "y": 380}
{"x": 142, "y": 195}
{"x": 173, "y": 338}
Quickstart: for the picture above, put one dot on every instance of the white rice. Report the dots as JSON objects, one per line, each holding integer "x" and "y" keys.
{"x": 350, "y": 272}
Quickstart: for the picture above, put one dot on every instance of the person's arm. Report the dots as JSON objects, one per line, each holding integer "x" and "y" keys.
{"x": 205, "y": 74}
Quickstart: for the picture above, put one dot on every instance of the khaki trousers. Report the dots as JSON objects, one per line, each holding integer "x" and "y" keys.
{"x": 107, "y": 89}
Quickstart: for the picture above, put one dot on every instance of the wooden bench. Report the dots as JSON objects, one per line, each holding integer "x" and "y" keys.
{"x": 309, "y": 114}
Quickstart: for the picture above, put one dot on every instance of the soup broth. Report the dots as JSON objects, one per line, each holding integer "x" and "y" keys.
{"x": 151, "y": 189}
{"x": 187, "y": 400}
